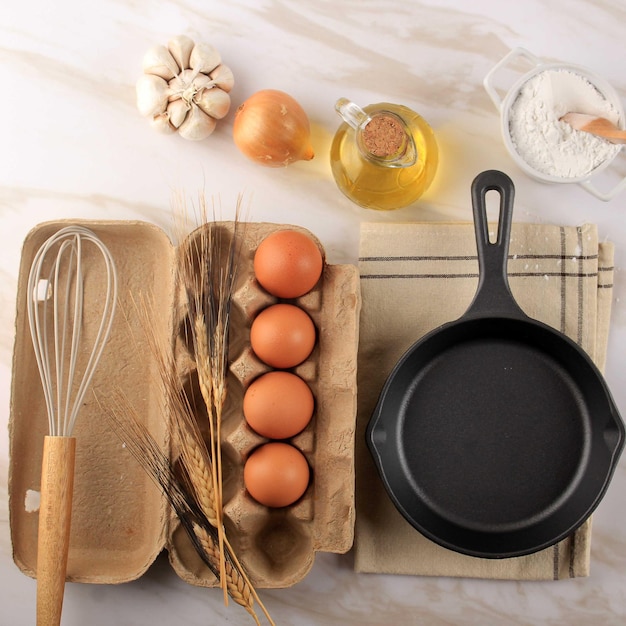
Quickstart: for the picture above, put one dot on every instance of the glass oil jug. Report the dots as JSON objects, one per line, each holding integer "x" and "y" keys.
{"x": 383, "y": 156}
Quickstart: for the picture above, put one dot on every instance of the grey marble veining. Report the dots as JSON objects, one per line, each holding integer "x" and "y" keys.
{"x": 74, "y": 145}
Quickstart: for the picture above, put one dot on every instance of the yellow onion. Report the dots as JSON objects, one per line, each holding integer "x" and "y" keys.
{"x": 272, "y": 129}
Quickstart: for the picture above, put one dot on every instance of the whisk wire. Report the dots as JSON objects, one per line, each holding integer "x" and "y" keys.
{"x": 61, "y": 323}
{"x": 62, "y": 404}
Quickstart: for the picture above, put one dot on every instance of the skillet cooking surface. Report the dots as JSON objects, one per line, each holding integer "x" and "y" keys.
{"x": 491, "y": 431}
{"x": 495, "y": 435}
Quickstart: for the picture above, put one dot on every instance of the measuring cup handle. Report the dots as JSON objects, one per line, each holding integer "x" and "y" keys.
{"x": 488, "y": 80}
{"x": 587, "y": 185}
{"x": 493, "y": 295}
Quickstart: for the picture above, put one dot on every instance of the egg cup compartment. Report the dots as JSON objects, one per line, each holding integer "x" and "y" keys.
{"x": 283, "y": 546}
{"x": 120, "y": 520}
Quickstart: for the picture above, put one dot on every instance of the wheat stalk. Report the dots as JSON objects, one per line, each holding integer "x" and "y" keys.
{"x": 193, "y": 455}
{"x": 197, "y": 466}
{"x": 140, "y": 443}
{"x": 200, "y": 497}
{"x": 207, "y": 271}
{"x": 195, "y": 460}
{"x": 203, "y": 364}
{"x": 209, "y": 282}
{"x": 238, "y": 588}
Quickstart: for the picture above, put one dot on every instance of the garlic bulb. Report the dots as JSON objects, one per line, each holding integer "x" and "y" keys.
{"x": 184, "y": 88}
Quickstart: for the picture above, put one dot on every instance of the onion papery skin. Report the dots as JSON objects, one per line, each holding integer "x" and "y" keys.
{"x": 272, "y": 129}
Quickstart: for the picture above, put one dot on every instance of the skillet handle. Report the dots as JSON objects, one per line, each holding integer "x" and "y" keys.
{"x": 493, "y": 296}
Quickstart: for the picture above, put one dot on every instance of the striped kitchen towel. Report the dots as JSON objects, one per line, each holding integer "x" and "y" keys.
{"x": 417, "y": 276}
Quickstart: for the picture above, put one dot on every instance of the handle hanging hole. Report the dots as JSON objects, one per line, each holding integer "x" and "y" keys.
{"x": 492, "y": 208}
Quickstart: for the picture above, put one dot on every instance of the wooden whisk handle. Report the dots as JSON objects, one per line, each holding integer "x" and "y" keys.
{"x": 57, "y": 484}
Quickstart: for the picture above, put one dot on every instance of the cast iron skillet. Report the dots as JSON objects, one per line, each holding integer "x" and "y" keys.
{"x": 495, "y": 435}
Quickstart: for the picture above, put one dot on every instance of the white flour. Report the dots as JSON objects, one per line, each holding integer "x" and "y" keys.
{"x": 548, "y": 145}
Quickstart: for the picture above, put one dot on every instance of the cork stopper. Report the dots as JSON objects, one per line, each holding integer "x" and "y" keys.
{"x": 384, "y": 136}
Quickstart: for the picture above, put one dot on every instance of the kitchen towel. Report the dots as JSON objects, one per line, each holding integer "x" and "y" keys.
{"x": 417, "y": 276}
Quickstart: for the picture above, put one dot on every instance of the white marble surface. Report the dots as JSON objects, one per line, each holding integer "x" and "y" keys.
{"x": 73, "y": 145}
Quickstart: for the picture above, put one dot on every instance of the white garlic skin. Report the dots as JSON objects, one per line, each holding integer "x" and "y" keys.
{"x": 223, "y": 77}
{"x": 187, "y": 84}
{"x": 185, "y": 88}
{"x": 152, "y": 95}
{"x": 162, "y": 124}
{"x": 180, "y": 48}
{"x": 214, "y": 102}
{"x": 176, "y": 112}
{"x": 160, "y": 62}
{"x": 197, "y": 125}
{"x": 204, "y": 58}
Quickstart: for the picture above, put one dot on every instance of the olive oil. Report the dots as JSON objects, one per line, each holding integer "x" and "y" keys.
{"x": 390, "y": 166}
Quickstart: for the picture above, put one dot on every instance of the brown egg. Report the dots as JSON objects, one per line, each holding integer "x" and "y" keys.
{"x": 276, "y": 474}
{"x": 282, "y": 335}
{"x": 288, "y": 263}
{"x": 278, "y": 405}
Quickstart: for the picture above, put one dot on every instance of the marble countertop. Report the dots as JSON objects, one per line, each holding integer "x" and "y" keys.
{"x": 74, "y": 146}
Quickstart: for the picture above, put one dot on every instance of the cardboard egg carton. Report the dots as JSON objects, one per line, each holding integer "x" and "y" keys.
{"x": 121, "y": 521}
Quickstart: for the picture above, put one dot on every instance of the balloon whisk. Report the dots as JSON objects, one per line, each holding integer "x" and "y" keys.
{"x": 67, "y": 359}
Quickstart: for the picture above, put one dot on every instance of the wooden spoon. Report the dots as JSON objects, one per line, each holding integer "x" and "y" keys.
{"x": 596, "y": 126}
